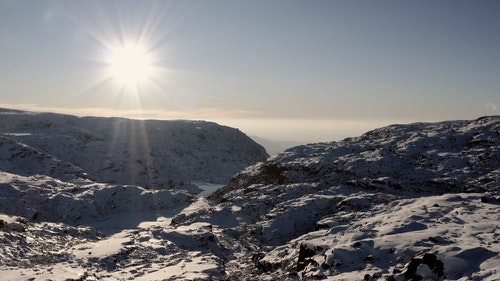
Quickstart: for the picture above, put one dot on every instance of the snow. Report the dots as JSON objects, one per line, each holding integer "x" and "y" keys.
{"x": 397, "y": 203}
{"x": 196, "y": 268}
{"x": 208, "y": 188}
{"x": 103, "y": 248}
{"x": 19, "y": 134}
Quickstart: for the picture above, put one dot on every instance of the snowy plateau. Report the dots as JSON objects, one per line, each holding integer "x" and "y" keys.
{"x": 112, "y": 199}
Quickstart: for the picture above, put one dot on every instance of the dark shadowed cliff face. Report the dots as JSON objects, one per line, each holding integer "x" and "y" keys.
{"x": 149, "y": 153}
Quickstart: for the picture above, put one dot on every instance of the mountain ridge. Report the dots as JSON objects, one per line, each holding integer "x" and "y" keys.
{"x": 149, "y": 153}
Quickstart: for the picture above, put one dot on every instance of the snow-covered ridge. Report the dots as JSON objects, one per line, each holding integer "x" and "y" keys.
{"x": 453, "y": 156}
{"x": 150, "y": 153}
{"x": 372, "y": 205}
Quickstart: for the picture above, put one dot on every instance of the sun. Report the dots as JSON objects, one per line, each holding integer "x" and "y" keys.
{"x": 130, "y": 64}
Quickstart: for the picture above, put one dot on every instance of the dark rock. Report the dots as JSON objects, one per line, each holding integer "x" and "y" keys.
{"x": 489, "y": 199}
{"x": 434, "y": 264}
{"x": 266, "y": 266}
{"x": 433, "y": 240}
{"x": 248, "y": 190}
{"x": 391, "y": 278}
{"x": 352, "y": 183}
{"x": 369, "y": 259}
{"x": 274, "y": 173}
{"x": 411, "y": 269}
{"x": 476, "y": 143}
{"x": 22, "y": 220}
{"x": 305, "y": 252}
{"x": 377, "y": 181}
{"x": 17, "y": 226}
{"x": 396, "y": 186}
{"x": 256, "y": 257}
{"x": 431, "y": 260}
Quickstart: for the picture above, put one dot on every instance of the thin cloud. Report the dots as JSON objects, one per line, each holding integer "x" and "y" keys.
{"x": 197, "y": 113}
{"x": 214, "y": 98}
{"x": 491, "y": 107}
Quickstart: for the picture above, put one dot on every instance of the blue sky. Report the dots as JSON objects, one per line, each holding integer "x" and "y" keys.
{"x": 300, "y": 70}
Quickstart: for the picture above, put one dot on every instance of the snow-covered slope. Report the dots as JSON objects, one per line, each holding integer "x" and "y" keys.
{"x": 42, "y": 198}
{"x": 369, "y": 205}
{"x": 151, "y": 153}
{"x": 404, "y": 202}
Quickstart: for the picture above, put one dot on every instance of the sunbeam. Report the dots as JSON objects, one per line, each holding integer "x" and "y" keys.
{"x": 130, "y": 52}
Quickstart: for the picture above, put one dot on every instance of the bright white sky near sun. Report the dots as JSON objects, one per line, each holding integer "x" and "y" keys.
{"x": 289, "y": 70}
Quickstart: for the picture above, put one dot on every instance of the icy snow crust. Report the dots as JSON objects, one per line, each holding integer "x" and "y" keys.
{"x": 404, "y": 202}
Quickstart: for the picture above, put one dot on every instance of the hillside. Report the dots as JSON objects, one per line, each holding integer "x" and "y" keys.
{"x": 149, "y": 153}
{"x": 403, "y": 202}
{"x": 375, "y": 204}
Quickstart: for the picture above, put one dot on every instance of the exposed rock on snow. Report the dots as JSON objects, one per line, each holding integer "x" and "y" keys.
{"x": 27, "y": 244}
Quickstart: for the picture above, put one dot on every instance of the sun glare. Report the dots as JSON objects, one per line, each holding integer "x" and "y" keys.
{"x": 128, "y": 50}
{"x": 130, "y": 64}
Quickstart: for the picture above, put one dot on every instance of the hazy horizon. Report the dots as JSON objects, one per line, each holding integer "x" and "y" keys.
{"x": 299, "y": 131}
{"x": 291, "y": 71}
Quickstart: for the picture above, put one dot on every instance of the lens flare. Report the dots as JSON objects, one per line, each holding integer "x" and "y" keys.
{"x": 130, "y": 65}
